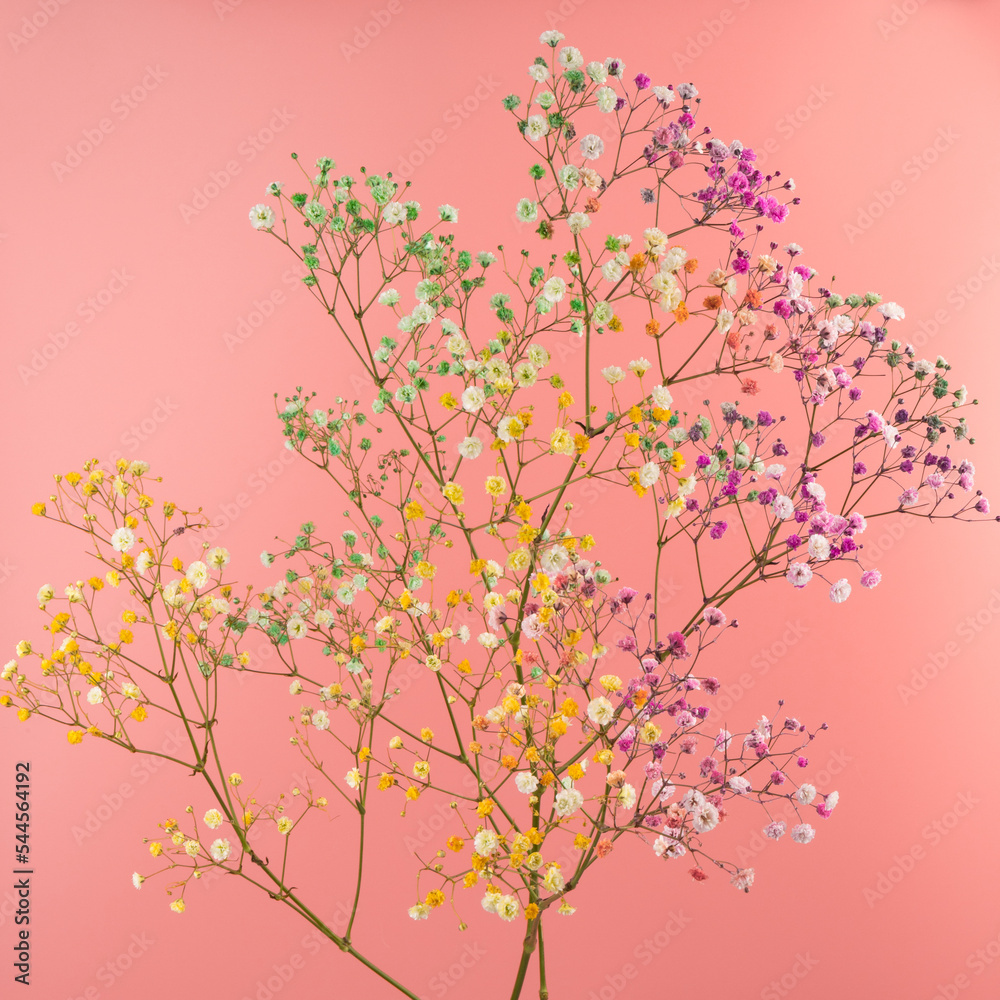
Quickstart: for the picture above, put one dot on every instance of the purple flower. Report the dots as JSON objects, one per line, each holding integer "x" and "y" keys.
{"x": 718, "y": 529}
{"x": 642, "y": 81}
{"x": 678, "y": 645}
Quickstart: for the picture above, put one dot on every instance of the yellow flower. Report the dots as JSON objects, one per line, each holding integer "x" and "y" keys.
{"x": 421, "y": 769}
{"x": 526, "y": 533}
{"x": 496, "y": 486}
{"x": 448, "y": 401}
{"x": 139, "y": 713}
{"x": 413, "y": 792}
{"x": 677, "y": 461}
{"x": 177, "y": 906}
{"x": 455, "y": 494}
{"x": 285, "y": 825}
{"x": 565, "y": 400}
{"x": 38, "y": 509}
{"x": 455, "y": 844}
{"x": 581, "y": 841}
{"x": 364, "y": 753}
{"x": 386, "y": 780}
{"x": 485, "y": 807}
{"x": 471, "y": 878}
{"x": 23, "y": 714}
{"x": 575, "y": 771}
{"x": 73, "y": 478}
{"x": 413, "y": 511}
{"x": 475, "y": 747}
{"x": 426, "y": 734}
{"x": 531, "y": 910}
{"x": 605, "y": 757}
{"x": 125, "y": 636}
{"x": 405, "y": 599}
{"x": 156, "y": 848}
{"x": 434, "y": 898}
{"x": 561, "y": 441}
{"x": 611, "y": 682}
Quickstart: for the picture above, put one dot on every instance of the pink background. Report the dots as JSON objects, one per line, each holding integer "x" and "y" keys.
{"x": 224, "y": 92}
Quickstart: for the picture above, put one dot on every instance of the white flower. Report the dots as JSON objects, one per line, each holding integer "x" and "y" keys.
{"x": 706, "y": 818}
{"x": 218, "y": 557}
{"x": 470, "y": 447}
{"x": 526, "y": 782}
{"x": 537, "y": 127}
{"x": 570, "y": 57}
{"x": 122, "y": 539}
{"x": 591, "y": 146}
{"x": 507, "y": 908}
{"x": 568, "y": 800}
{"x": 597, "y": 72}
{"x": 487, "y": 640}
{"x": 261, "y": 216}
{"x": 197, "y": 574}
{"x": 627, "y": 796}
{"x": 486, "y": 843}
{"x": 213, "y": 819}
{"x": 527, "y": 210}
{"x": 137, "y": 880}
{"x": 799, "y": 574}
{"x": 668, "y": 847}
{"x": 320, "y": 719}
{"x": 419, "y": 911}
{"x": 739, "y": 784}
{"x": 783, "y": 507}
{"x": 775, "y": 471}
{"x": 892, "y": 310}
{"x": 611, "y": 271}
{"x": 554, "y": 289}
{"x": 473, "y": 399}
{"x": 806, "y": 794}
{"x": 639, "y": 366}
{"x": 296, "y": 627}
{"x": 840, "y": 591}
{"x": 600, "y": 711}
{"x": 613, "y": 374}
{"x": 802, "y": 834}
{"x": 607, "y": 99}
{"x": 538, "y": 355}
{"x": 577, "y": 222}
{"x": 394, "y": 213}
{"x": 353, "y": 777}
{"x": 649, "y": 474}
{"x": 831, "y": 800}
{"x": 95, "y": 696}
{"x": 816, "y": 491}
{"x": 448, "y": 213}
{"x": 819, "y": 547}
{"x": 661, "y": 397}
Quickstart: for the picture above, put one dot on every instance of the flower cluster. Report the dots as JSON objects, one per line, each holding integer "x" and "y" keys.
{"x": 506, "y": 391}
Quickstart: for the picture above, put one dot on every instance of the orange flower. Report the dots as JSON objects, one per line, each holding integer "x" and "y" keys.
{"x": 638, "y": 262}
{"x": 681, "y": 312}
{"x": 691, "y": 265}
{"x": 712, "y": 302}
{"x": 592, "y": 205}
{"x": 653, "y": 328}
{"x": 753, "y": 298}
